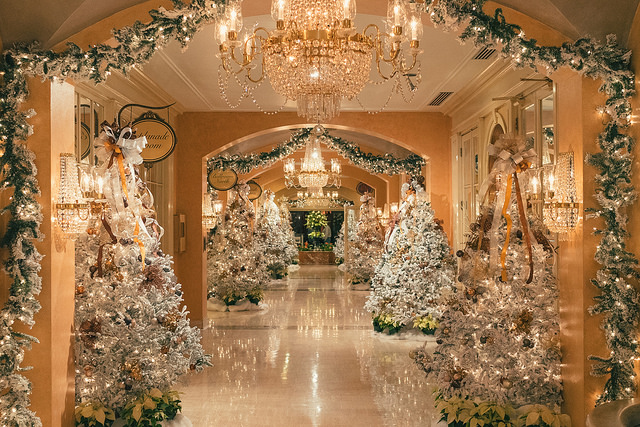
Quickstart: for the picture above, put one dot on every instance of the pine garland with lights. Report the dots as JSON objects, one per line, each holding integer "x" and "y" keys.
{"x": 374, "y": 163}
{"x": 619, "y": 300}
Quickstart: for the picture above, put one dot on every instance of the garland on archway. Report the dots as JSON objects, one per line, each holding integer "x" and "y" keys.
{"x": 136, "y": 44}
{"x": 374, "y": 163}
{"x": 619, "y": 300}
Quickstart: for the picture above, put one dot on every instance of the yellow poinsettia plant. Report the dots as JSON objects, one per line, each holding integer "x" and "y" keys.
{"x": 465, "y": 412}
{"x": 541, "y": 416}
{"x": 427, "y": 324}
{"x": 93, "y": 414}
{"x": 152, "y": 407}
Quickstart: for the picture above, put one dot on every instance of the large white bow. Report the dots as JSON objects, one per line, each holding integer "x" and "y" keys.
{"x": 512, "y": 156}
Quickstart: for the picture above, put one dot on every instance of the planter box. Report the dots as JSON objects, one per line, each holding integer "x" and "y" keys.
{"x": 317, "y": 258}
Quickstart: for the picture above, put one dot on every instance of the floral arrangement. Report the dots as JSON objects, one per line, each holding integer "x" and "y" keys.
{"x": 152, "y": 407}
{"x": 426, "y": 324}
{"x": 326, "y": 247}
{"x": 93, "y": 414}
{"x": 463, "y": 412}
{"x": 385, "y": 321}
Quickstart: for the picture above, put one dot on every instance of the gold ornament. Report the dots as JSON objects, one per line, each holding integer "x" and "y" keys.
{"x": 79, "y": 290}
{"x": 523, "y": 322}
{"x": 506, "y": 382}
{"x": 88, "y": 371}
{"x": 170, "y": 321}
{"x": 89, "y": 332}
{"x": 133, "y": 369}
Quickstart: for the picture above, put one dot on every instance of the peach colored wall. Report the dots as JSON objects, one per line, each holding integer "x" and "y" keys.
{"x": 578, "y": 126}
{"x": 52, "y": 358}
{"x": 200, "y": 134}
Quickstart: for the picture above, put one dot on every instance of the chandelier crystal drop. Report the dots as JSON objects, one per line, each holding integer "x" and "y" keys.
{"x": 315, "y": 56}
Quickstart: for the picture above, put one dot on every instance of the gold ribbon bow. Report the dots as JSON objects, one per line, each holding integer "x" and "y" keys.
{"x": 512, "y": 158}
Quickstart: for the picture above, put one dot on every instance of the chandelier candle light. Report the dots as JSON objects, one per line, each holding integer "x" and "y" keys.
{"x": 316, "y": 56}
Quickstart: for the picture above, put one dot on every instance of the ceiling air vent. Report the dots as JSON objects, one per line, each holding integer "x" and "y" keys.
{"x": 440, "y": 98}
{"x": 484, "y": 53}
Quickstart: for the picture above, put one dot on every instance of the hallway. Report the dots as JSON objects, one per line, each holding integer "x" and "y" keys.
{"x": 311, "y": 359}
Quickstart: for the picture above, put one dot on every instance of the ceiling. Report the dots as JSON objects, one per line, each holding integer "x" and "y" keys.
{"x": 191, "y": 78}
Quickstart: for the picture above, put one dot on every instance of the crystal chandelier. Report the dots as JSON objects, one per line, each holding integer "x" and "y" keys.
{"x": 313, "y": 174}
{"x": 315, "y": 56}
{"x": 317, "y": 199}
{"x": 71, "y": 210}
{"x": 561, "y": 209}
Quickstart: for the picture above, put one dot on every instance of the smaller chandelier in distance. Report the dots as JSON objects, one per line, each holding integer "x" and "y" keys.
{"x": 315, "y": 56}
{"x": 317, "y": 199}
{"x": 561, "y": 210}
{"x": 313, "y": 174}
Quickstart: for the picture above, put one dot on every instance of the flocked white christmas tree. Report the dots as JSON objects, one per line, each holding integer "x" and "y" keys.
{"x": 132, "y": 330}
{"x": 236, "y": 266}
{"x": 498, "y": 340}
{"x": 291, "y": 249}
{"x": 367, "y": 244}
{"x": 271, "y": 238}
{"x": 416, "y": 268}
{"x": 339, "y": 248}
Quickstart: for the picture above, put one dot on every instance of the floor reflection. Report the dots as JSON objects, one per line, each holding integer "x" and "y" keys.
{"x": 311, "y": 359}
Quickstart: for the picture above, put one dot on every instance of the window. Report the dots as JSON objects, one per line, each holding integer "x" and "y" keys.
{"x": 538, "y": 129}
{"x": 88, "y": 116}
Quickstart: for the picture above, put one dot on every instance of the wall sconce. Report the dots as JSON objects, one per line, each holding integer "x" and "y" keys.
{"x": 92, "y": 187}
{"x": 394, "y": 208}
{"x": 561, "y": 210}
{"x": 211, "y": 209}
{"x": 379, "y": 212}
{"x": 71, "y": 210}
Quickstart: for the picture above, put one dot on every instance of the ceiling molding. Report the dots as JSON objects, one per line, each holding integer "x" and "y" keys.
{"x": 186, "y": 80}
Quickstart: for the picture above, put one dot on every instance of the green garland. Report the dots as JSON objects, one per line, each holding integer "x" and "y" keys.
{"x": 137, "y": 43}
{"x": 374, "y": 163}
{"x": 619, "y": 300}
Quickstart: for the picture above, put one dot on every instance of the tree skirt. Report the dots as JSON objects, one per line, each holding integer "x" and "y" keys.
{"x": 405, "y": 335}
{"x": 179, "y": 421}
{"x": 293, "y": 267}
{"x": 215, "y": 304}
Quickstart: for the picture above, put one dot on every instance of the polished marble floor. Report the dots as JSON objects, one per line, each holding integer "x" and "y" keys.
{"x": 310, "y": 359}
